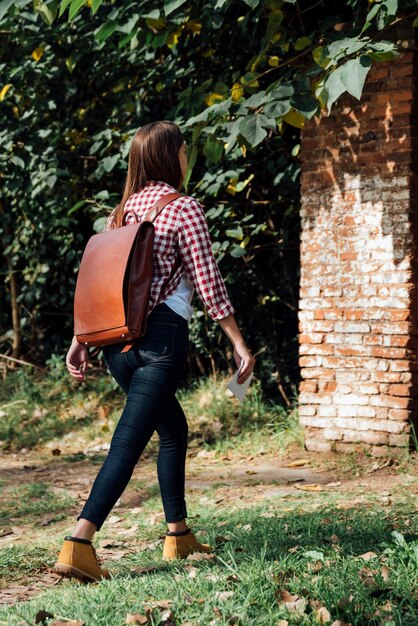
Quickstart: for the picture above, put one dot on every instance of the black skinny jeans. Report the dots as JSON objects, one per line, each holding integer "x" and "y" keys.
{"x": 149, "y": 373}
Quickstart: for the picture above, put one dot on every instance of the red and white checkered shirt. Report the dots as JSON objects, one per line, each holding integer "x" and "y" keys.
{"x": 181, "y": 230}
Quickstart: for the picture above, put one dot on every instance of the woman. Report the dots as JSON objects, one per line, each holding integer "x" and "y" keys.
{"x": 151, "y": 371}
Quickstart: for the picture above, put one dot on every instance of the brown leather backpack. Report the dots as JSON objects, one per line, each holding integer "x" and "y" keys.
{"x": 114, "y": 280}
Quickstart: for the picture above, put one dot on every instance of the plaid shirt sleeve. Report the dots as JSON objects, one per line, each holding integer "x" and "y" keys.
{"x": 196, "y": 252}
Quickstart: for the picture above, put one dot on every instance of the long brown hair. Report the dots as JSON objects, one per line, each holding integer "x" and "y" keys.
{"x": 153, "y": 155}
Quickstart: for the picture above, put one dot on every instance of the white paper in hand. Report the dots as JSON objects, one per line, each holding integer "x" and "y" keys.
{"x": 239, "y": 391}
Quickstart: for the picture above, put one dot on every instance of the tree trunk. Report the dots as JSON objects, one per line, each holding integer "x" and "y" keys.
{"x": 17, "y": 335}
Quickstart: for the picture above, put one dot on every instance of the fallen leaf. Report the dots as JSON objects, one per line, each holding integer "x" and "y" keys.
{"x": 367, "y": 576}
{"x": 136, "y": 618}
{"x": 113, "y": 519}
{"x": 367, "y": 556}
{"x": 385, "y": 572}
{"x": 322, "y": 615}
{"x": 285, "y": 596}
{"x": 70, "y": 622}
{"x": 144, "y": 570}
{"x": 223, "y": 595}
{"x": 337, "y": 483}
{"x": 167, "y": 619}
{"x": 200, "y": 556}
{"x": 192, "y": 572}
{"x": 312, "y": 487}
{"x": 345, "y": 602}
{"x": 298, "y": 606}
{"x": 297, "y": 463}
{"x": 282, "y": 622}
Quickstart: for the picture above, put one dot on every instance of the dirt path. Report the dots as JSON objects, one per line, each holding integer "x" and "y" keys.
{"x": 230, "y": 481}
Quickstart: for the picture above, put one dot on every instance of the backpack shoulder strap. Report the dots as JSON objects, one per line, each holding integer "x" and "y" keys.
{"x": 153, "y": 213}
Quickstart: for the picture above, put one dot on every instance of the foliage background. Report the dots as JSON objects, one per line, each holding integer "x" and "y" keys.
{"x": 240, "y": 76}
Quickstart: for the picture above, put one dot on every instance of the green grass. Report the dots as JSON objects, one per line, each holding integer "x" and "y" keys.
{"x": 37, "y": 406}
{"x": 32, "y": 501}
{"x": 255, "y": 564}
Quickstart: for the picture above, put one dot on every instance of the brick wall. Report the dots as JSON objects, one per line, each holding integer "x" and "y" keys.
{"x": 358, "y": 328}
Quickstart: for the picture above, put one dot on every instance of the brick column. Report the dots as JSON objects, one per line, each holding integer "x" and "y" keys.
{"x": 358, "y": 340}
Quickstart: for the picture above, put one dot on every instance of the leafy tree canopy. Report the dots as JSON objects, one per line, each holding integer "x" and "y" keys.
{"x": 240, "y": 76}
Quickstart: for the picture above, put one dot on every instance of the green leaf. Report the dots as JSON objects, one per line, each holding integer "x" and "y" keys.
{"x": 251, "y": 128}
{"x": 353, "y": 75}
{"x": 75, "y": 7}
{"x": 320, "y": 57}
{"x": 237, "y": 251}
{"x": 192, "y": 158}
{"x": 95, "y": 5}
{"x": 106, "y": 30}
{"x": 236, "y": 233}
{"x": 334, "y": 87}
{"x": 305, "y": 104}
{"x": 76, "y": 206}
{"x": 48, "y": 12}
{"x": 172, "y": 5}
{"x": 277, "y": 109}
{"x": 301, "y": 43}
{"x": 4, "y": 7}
{"x": 64, "y": 5}
{"x": 18, "y": 161}
{"x": 213, "y": 149}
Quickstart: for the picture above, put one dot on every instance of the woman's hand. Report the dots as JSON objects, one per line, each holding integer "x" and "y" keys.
{"x": 244, "y": 360}
{"x": 77, "y": 359}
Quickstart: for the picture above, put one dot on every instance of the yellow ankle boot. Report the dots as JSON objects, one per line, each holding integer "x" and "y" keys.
{"x": 78, "y": 558}
{"x": 181, "y": 545}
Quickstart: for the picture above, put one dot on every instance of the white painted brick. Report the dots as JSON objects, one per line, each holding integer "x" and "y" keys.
{"x": 332, "y": 433}
{"x": 306, "y": 397}
{"x": 366, "y": 436}
{"x": 366, "y": 411}
{"x": 306, "y": 409}
{"x": 347, "y": 411}
{"x": 327, "y": 411}
{"x": 315, "y": 445}
{"x": 367, "y": 424}
{"x": 318, "y": 422}
{"x": 350, "y": 399}
{"x": 352, "y": 327}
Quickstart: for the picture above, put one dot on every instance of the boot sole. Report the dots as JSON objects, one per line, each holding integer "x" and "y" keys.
{"x": 71, "y": 571}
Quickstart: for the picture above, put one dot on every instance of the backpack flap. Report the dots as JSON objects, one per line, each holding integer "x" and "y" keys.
{"x": 99, "y": 310}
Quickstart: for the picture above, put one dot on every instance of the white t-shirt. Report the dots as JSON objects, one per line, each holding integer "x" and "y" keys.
{"x": 180, "y": 300}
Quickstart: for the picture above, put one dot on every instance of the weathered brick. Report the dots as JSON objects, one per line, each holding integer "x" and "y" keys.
{"x": 399, "y": 440}
{"x": 308, "y": 385}
{"x": 392, "y": 402}
{"x": 375, "y": 437}
{"x": 311, "y": 338}
{"x": 398, "y": 414}
{"x": 332, "y": 433}
{"x": 315, "y": 445}
{"x": 400, "y": 390}
{"x": 327, "y": 411}
{"x": 317, "y": 372}
{"x": 358, "y": 330}
{"x": 306, "y": 410}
